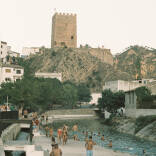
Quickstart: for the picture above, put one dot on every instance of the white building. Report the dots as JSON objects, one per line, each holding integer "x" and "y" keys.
{"x": 121, "y": 85}
{"x": 10, "y": 73}
{"x": 49, "y": 75}
{"x": 131, "y": 104}
{"x": 26, "y": 51}
{"x": 95, "y": 97}
{"x": 13, "y": 53}
{"x": 3, "y": 51}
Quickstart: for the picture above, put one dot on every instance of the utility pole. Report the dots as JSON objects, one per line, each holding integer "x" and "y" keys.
{"x": 7, "y": 103}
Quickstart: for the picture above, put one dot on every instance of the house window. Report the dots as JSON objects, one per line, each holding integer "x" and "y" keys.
{"x": 18, "y": 71}
{"x": 72, "y": 37}
{"x": 1, "y": 52}
{"x": 1, "y": 46}
{"x": 7, "y": 79}
{"x": 8, "y": 70}
{"x": 17, "y": 79}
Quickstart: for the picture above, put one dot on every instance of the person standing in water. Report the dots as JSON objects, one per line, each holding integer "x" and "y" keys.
{"x": 75, "y": 131}
{"x": 56, "y": 151}
{"x": 89, "y": 146}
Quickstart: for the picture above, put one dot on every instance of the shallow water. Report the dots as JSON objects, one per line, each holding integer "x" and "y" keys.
{"x": 121, "y": 142}
{"x": 21, "y": 136}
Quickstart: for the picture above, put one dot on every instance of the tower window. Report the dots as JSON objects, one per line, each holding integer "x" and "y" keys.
{"x": 72, "y": 37}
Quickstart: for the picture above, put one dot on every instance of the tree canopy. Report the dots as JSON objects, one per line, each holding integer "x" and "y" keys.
{"x": 111, "y": 101}
{"x": 42, "y": 94}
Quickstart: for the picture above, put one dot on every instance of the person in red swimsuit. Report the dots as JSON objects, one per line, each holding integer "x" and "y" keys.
{"x": 59, "y": 134}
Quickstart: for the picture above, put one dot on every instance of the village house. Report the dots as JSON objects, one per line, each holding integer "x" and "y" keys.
{"x": 131, "y": 103}
{"x": 27, "y": 51}
{"x": 119, "y": 85}
{"x": 49, "y": 75}
{"x": 10, "y": 73}
{"x": 5, "y": 51}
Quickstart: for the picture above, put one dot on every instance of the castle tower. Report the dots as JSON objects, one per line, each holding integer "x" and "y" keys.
{"x": 64, "y": 30}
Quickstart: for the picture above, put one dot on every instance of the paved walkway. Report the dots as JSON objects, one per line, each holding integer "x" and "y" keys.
{"x": 73, "y": 148}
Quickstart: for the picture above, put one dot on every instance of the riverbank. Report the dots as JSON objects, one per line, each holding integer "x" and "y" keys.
{"x": 121, "y": 142}
{"x": 143, "y": 127}
{"x": 73, "y": 148}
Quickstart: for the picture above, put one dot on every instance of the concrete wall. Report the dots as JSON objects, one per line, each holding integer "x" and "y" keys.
{"x": 145, "y": 112}
{"x": 130, "y": 104}
{"x": 10, "y": 133}
{"x": 121, "y": 85}
{"x": 49, "y": 75}
{"x": 71, "y": 112}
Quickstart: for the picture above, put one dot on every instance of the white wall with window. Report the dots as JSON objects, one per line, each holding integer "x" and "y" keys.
{"x": 11, "y": 73}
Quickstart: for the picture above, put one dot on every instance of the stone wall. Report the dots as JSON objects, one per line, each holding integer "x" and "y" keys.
{"x": 102, "y": 54}
{"x": 71, "y": 112}
{"x": 10, "y": 133}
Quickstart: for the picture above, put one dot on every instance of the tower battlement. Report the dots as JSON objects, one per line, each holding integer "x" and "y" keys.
{"x": 64, "y": 30}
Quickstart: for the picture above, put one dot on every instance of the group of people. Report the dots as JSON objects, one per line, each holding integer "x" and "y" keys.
{"x": 62, "y": 137}
{"x": 4, "y": 108}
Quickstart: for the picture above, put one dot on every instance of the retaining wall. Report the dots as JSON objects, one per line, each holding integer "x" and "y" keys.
{"x": 10, "y": 133}
{"x": 71, "y": 112}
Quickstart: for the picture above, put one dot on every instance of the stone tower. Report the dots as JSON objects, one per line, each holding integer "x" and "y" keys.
{"x": 64, "y": 30}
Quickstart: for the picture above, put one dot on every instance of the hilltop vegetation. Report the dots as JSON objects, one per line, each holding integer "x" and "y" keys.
{"x": 82, "y": 67}
{"x": 76, "y": 66}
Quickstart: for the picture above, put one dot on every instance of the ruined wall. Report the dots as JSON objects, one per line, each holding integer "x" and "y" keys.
{"x": 103, "y": 54}
{"x": 64, "y": 30}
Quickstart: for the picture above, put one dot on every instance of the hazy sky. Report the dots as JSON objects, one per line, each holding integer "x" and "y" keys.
{"x": 116, "y": 24}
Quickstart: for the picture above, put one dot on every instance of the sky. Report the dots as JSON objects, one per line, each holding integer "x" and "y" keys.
{"x": 116, "y": 24}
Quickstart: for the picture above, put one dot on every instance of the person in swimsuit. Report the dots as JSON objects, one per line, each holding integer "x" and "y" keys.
{"x": 89, "y": 146}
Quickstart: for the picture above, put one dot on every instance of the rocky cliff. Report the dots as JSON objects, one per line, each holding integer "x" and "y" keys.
{"x": 138, "y": 61}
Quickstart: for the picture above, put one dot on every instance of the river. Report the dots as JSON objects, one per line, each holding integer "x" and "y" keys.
{"x": 121, "y": 142}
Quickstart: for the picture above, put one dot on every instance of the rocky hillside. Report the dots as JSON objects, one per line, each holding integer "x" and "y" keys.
{"x": 80, "y": 66}
{"x": 77, "y": 66}
{"x": 140, "y": 62}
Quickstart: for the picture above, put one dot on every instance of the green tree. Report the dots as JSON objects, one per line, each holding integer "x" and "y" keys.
{"x": 84, "y": 94}
{"x": 70, "y": 95}
{"x": 111, "y": 101}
